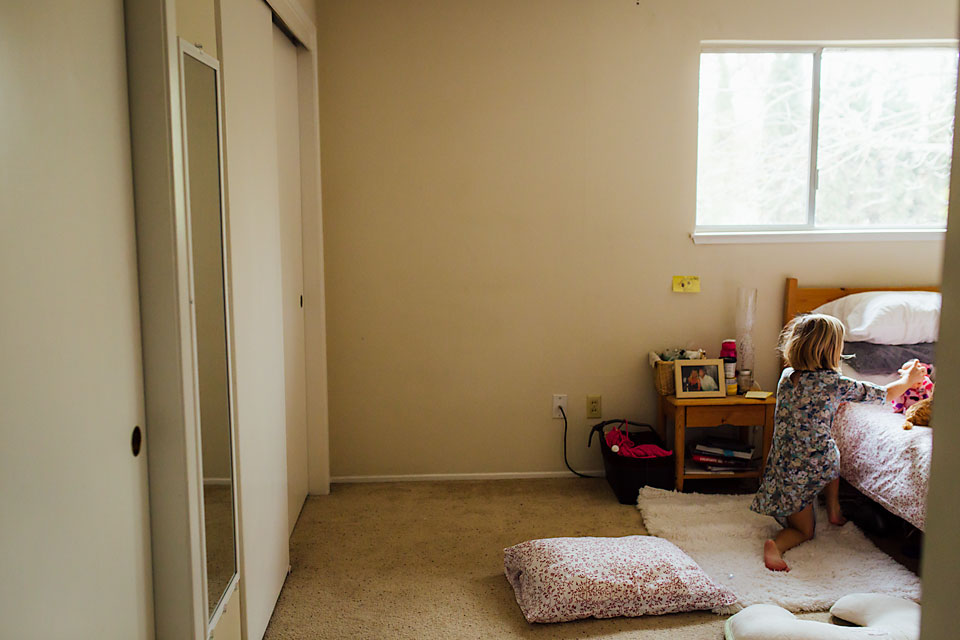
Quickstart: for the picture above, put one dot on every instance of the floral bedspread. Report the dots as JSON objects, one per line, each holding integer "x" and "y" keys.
{"x": 887, "y": 463}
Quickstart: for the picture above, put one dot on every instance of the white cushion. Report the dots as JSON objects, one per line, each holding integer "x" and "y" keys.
{"x": 559, "y": 579}
{"x": 879, "y": 611}
{"x": 888, "y": 317}
{"x": 881, "y": 617}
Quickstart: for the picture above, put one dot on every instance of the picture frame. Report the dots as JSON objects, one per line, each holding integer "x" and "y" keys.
{"x": 691, "y": 376}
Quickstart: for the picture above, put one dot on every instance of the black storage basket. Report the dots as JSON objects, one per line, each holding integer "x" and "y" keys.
{"x": 627, "y": 475}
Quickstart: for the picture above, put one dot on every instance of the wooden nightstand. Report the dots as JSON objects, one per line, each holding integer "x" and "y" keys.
{"x": 714, "y": 412}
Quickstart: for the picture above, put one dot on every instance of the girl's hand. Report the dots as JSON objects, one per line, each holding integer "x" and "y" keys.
{"x": 906, "y": 364}
{"x": 911, "y": 375}
{"x": 913, "y": 372}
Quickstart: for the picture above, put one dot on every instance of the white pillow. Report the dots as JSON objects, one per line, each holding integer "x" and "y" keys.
{"x": 881, "y": 617}
{"x": 560, "y": 579}
{"x": 888, "y": 317}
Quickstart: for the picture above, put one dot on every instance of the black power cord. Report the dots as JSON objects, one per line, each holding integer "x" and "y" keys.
{"x": 572, "y": 470}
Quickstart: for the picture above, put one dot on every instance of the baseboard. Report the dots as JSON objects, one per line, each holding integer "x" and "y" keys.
{"x": 429, "y": 477}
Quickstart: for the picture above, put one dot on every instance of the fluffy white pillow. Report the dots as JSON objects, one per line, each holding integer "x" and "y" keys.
{"x": 560, "y": 579}
{"x": 888, "y": 317}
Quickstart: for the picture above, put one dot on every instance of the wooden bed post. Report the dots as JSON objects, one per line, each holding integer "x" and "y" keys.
{"x": 789, "y": 310}
{"x": 790, "y": 300}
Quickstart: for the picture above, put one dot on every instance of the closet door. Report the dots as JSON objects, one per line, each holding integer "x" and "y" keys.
{"x": 253, "y": 227}
{"x": 75, "y": 551}
{"x": 286, "y": 93}
{"x": 262, "y": 76}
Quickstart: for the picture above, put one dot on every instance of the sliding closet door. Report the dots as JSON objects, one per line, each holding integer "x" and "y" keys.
{"x": 286, "y": 93}
{"x": 74, "y": 530}
{"x": 254, "y": 252}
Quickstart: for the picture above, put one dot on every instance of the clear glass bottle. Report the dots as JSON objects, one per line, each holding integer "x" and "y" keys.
{"x": 744, "y": 380}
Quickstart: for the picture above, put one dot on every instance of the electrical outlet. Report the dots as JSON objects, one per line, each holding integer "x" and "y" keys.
{"x": 559, "y": 400}
{"x": 593, "y": 407}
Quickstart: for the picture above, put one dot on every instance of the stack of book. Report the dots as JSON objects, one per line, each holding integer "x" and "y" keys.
{"x": 724, "y": 455}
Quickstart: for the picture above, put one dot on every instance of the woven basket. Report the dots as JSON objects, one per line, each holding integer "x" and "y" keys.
{"x": 663, "y": 378}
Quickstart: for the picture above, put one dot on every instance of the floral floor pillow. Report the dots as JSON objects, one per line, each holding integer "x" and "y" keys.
{"x": 560, "y": 579}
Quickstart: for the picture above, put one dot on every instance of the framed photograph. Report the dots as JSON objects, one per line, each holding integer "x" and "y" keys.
{"x": 699, "y": 378}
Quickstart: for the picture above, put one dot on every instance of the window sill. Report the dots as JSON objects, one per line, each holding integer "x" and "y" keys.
{"x": 822, "y": 235}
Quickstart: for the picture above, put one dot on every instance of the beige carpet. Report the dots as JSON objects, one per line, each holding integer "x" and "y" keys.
{"x": 425, "y": 561}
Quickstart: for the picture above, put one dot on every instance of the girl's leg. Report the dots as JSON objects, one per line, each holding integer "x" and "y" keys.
{"x": 800, "y": 529}
{"x": 834, "y": 513}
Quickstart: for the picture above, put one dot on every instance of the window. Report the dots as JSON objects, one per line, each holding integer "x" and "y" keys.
{"x": 819, "y": 138}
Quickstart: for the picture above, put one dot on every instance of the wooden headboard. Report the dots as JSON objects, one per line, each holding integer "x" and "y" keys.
{"x": 799, "y": 299}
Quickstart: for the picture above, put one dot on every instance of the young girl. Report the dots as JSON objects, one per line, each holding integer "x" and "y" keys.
{"x": 803, "y": 458}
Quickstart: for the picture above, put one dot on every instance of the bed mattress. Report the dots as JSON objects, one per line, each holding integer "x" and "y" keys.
{"x": 884, "y": 461}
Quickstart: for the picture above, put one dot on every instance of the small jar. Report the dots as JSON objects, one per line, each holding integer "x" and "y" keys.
{"x": 730, "y": 371}
{"x": 744, "y": 380}
{"x": 728, "y": 348}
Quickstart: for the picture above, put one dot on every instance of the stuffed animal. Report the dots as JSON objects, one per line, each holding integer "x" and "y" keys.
{"x": 921, "y": 391}
{"x": 919, "y": 414}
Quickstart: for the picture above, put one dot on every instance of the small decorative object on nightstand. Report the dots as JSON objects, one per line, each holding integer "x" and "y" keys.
{"x": 714, "y": 412}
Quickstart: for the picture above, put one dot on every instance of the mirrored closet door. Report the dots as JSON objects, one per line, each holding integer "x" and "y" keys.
{"x": 204, "y": 184}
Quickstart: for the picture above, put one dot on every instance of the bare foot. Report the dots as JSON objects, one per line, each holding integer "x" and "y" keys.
{"x": 772, "y": 557}
{"x": 835, "y": 516}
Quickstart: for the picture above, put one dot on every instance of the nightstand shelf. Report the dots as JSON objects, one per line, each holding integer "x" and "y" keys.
{"x": 714, "y": 412}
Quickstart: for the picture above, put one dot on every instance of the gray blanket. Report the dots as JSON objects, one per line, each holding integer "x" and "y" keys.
{"x": 872, "y": 358}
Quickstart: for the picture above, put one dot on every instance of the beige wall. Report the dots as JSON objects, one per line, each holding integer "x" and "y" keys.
{"x": 197, "y": 23}
{"x": 508, "y": 187}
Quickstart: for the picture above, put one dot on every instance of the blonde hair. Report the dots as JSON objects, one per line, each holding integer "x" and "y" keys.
{"x": 813, "y": 342}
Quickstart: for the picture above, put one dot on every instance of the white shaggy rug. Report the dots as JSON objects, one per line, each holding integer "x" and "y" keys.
{"x": 726, "y": 539}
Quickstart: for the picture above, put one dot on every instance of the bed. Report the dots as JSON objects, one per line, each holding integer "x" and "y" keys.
{"x": 885, "y": 462}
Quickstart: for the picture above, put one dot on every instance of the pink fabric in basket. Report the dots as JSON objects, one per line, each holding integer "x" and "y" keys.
{"x": 560, "y": 579}
{"x": 626, "y": 448}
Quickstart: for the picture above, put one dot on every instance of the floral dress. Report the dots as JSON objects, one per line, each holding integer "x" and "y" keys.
{"x": 803, "y": 457}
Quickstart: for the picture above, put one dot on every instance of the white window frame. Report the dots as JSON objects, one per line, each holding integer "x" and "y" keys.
{"x": 809, "y": 232}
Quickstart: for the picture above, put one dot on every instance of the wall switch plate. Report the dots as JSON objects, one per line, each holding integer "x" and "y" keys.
{"x": 593, "y": 407}
{"x": 686, "y": 284}
{"x": 559, "y": 400}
